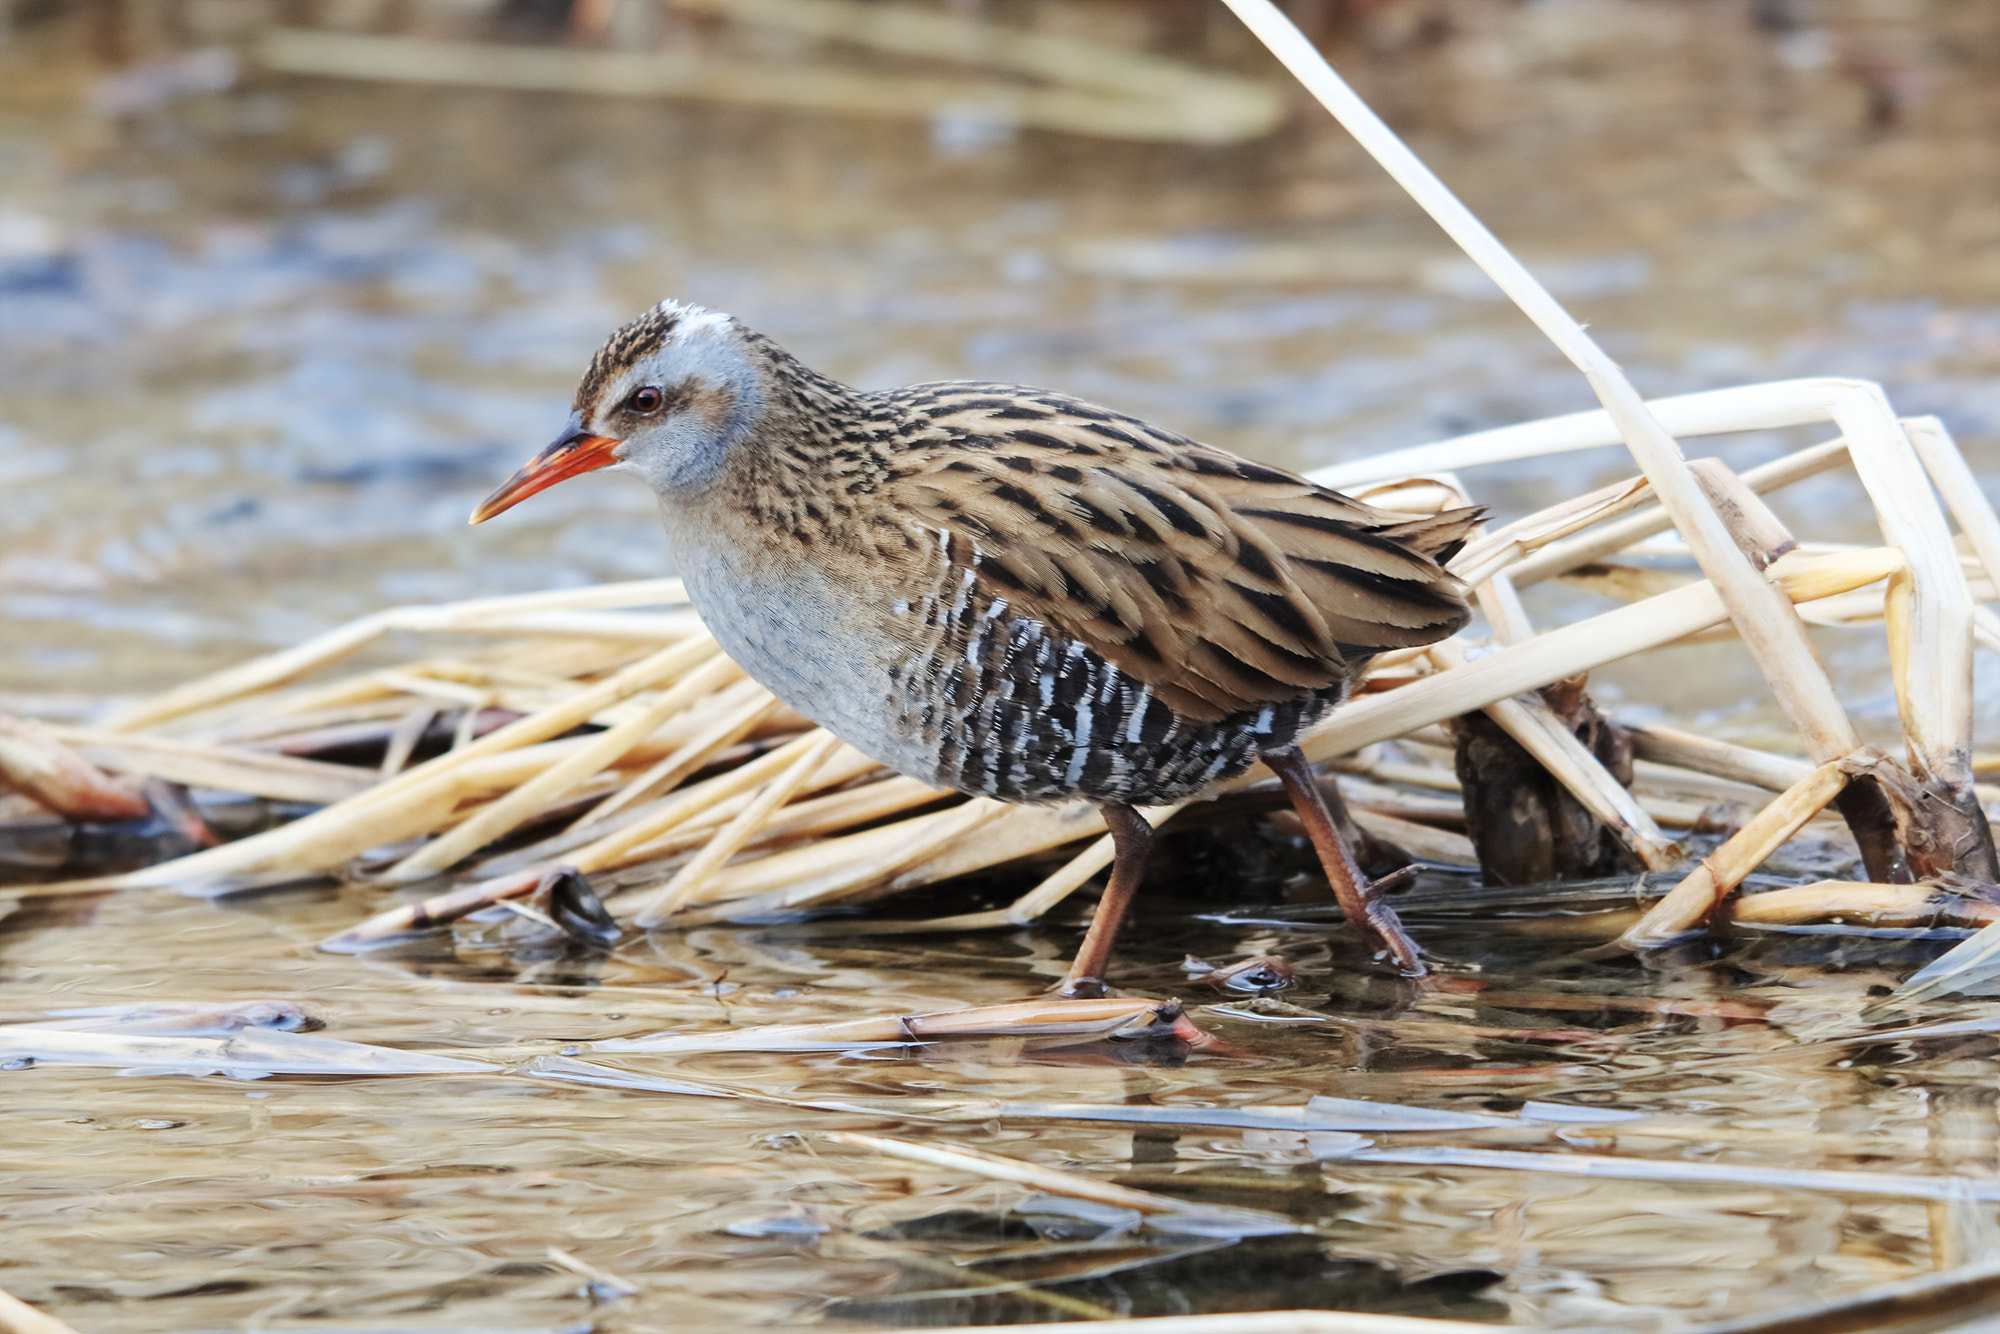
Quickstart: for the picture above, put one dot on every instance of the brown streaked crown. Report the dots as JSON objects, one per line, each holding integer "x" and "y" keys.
{"x": 625, "y": 348}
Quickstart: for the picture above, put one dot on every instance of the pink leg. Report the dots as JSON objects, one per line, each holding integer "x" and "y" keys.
{"x": 1133, "y": 839}
{"x": 1359, "y": 898}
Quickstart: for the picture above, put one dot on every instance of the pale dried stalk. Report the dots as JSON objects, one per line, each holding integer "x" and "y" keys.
{"x": 758, "y": 889}
{"x": 1760, "y": 535}
{"x": 431, "y": 687}
{"x": 431, "y": 912}
{"x": 1719, "y": 759}
{"x": 996, "y": 1168}
{"x": 1078, "y": 87}
{"x": 1582, "y": 647}
{"x": 1756, "y": 407}
{"x": 1503, "y": 548}
{"x": 1606, "y": 1167}
{"x": 257, "y": 773}
{"x": 17, "y": 1317}
{"x": 1035, "y": 1018}
{"x": 1960, "y": 487}
{"x": 840, "y": 811}
{"x": 1500, "y": 604}
{"x": 556, "y": 781}
{"x": 1862, "y": 903}
{"x": 603, "y": 1282}
{"x": 290, "y": 664}
{"x": 1763, "y": 616}
{"x": 613, "y": 847}
{"x": 37, "y": 765}
{"x": 1424, "y": 842}
{"x": 419, "y": 799}
{"x": 817, "y": 818}
{"x": 1621, "y": 533}
{"x": 1530, "y": 721}
{"x": 403, "y": 739}
{"x": 259, "y": 730}
{"x": 1694, "y": 899}
{"x": 1937, "y": 718}
{"x": 655, "y": 908}
{"x": 695, "y": 752}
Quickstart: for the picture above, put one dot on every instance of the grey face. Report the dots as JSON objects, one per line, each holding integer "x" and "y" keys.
{"x": 678, "y": 406}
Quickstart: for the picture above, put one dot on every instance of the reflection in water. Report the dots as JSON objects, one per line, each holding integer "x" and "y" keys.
{"x": 265, "y": 340}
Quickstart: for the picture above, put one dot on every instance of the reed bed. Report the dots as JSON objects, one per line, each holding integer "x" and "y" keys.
{"x": 602, "y": 730}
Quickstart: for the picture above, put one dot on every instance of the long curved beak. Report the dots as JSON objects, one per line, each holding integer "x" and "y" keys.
{"x": 577, "y": 452}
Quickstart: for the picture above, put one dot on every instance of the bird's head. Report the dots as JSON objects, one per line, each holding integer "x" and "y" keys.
{"x": 667, "y": 397}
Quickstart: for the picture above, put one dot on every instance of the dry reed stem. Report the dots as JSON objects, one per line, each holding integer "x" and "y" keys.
{"x": 1036, "y": 1018}
{"x": 422, "y": 798}
{"x": 996, "y": 1168}
{"x": 1421, "y": 841}
{"x": 1695, "y": 898}
{"x": 1960, "y": 487}
{"x": 689, "y": 758}
{"x": 1503, "y": 548}
{"x": 17, "y": 1317}
{"x": 430, "y": 687}
{"x": 1719, "y": 759}
{"x": 301, "y": 660}
{"x": 1770, "y": 627}
{"x": 558, "y": 780}
{"x": 249, "y": 1049}
{"x": 909, "y": 841}
{"x": 1624, "y": 532}
{"x": 1530, "y": 721}
{"x": 1576, "y": 648}
{"x": 1862, "y": 903}
{"x": 1937, "y": 718}
{"x": 40, "y": 767}
{"x": 1095, "y": 90}
{"x": 630, "y": 843}
{"x": 663, "y": 903}
{"x": 1500, "y": 603}
{"x": 403, "y": 739}
{"x": 437, "y": 910}
{"x": 256, "y": 773}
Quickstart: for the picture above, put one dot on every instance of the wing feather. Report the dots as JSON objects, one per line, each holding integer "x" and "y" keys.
{"x": 1220, "y": 583}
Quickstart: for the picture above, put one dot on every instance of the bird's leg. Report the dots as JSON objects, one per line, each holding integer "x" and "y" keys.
{"x": 1132, "y": 838}
{"x": 1360, "y": 899}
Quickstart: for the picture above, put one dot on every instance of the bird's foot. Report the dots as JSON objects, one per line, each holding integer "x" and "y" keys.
{"x": 1383, "y": 930}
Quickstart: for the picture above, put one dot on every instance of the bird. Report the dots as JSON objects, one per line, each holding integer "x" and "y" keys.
{"x": 1009, "y": 591}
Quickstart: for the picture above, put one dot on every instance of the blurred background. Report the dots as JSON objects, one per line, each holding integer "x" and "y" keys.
{"x": 286, "y": 285}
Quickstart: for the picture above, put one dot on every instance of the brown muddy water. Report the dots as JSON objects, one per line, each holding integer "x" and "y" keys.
{"x": 264, "y": 340}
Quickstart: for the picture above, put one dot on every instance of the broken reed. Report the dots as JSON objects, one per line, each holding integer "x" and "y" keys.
{"x": 701, "y": 798}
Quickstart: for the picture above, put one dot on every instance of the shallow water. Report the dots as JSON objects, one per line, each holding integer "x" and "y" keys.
{"x": 261, "y": 348}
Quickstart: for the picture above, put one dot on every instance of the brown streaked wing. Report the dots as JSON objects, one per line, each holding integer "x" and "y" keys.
{"x": 1221, "y": 584}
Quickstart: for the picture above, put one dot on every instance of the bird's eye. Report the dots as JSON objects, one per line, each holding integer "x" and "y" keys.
{"x": 648, "y": 399}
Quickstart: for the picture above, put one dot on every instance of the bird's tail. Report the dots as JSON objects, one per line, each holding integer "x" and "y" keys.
{"x": 1439, "y": 536}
